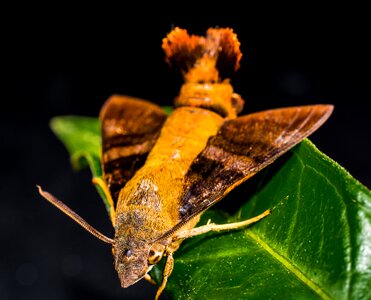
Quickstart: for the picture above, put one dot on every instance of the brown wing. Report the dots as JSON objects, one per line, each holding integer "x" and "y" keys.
{"x": 130, "y": 128}
{"x": 242, "y": 147}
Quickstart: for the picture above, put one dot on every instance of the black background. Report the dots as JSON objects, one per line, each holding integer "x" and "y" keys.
{"x": 62, "y": 62}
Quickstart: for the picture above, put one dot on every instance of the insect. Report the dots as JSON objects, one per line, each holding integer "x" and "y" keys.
{"x": 160, "y": 173}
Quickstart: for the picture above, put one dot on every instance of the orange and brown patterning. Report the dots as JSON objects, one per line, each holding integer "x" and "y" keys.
{"x": 161, "y": 172}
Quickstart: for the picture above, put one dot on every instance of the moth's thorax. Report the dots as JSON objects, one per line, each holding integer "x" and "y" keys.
{"x": 159, "y": 184}
{"x": 150, "y": 201}
{"x": 218, "y": 97}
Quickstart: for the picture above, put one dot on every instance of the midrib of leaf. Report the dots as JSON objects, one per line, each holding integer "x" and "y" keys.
{"x": 288, "y": 265}
{"x": 345, "y": 218}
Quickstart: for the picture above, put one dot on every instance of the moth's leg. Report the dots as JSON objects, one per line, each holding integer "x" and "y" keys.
{"x": 216, "y": 227}
{"x": 149, "y": 279}
{"x": 166, "y": 273}
{"x": 100, "y": 182}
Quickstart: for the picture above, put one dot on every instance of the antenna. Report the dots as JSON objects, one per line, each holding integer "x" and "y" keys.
{"x": 74, "y": 216}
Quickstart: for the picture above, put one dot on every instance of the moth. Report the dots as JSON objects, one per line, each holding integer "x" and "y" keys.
{"x": 160, "y": 173}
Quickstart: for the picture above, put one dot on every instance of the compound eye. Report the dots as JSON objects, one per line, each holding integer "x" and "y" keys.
{"x": 128, "y": 253}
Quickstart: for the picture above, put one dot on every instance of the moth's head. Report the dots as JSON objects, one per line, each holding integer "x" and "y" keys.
{"x": 209, "y": 59}
{"x": 135, "y": 259}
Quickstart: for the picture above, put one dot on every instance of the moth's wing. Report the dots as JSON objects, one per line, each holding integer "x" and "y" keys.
{"x": 241, "y": 148}
{"x": 130, "y": 128}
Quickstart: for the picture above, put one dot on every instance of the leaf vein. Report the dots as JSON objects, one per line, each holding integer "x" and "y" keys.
{"x": 288, "y": 265}
{"x": 293, "y": 223}
{"x": 348, "y": 249}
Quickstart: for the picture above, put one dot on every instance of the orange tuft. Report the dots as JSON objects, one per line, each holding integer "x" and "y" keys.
{"x": 229, "y": 46}
{"x": 203, "y": 59}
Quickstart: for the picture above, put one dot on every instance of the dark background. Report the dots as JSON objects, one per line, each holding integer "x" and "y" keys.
{"x": 60, "y": 62}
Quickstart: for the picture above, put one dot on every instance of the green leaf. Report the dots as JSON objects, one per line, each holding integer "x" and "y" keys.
{"x": 82, "y": 138}
{"x": 316, "y": 244}
{"x": 167, "y": 109}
